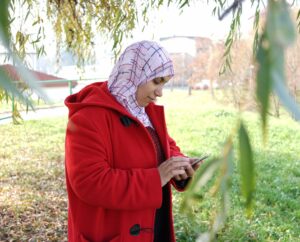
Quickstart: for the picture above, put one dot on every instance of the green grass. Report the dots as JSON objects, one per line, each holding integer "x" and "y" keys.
{"x": 33, "y": 202}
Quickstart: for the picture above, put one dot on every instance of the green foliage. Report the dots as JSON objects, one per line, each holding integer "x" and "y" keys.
{"x": 233, "y": 34}
{"x": 256, "y": 27}
{"x": 183, "y": 3}
{"x": 75, "y": 22}
{"x": 264, "y": 81}
{"x": 7, "y": 86}
{"x": 246, "y": 167}
{"x": 4, "y": 23}
{"x": 298, "y": 19}
{"x": 16, "y": 51}
{"x": 278, "y": 34}
{"x": 20, "y": 38}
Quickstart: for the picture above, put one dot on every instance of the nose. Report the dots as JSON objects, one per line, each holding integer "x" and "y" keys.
{"x": 158, "y": 91}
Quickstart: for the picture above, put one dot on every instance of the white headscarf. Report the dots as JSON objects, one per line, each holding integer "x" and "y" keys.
{"x": 139, "y": 63}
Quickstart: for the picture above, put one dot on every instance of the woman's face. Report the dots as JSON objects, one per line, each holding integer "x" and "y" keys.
{"x": 149, "y": 91}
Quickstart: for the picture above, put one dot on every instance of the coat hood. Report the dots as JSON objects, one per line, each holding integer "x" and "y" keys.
{"x": 95, "y": 94}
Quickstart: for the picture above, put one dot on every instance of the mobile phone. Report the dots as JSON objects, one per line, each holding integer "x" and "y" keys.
{"x": 199, "y": 159}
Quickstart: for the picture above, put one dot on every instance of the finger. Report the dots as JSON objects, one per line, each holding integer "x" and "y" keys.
{"x": 174, "y": 173}
{"x": 191, "y": 160}
{"x": 179, "y": 158}
{"x": 196, "y": 166}
{"x": 189, "y": 171}
{"x": 177, "y": 178}
{"x": 176, "y": 166}
{"x": 183, "y": 176}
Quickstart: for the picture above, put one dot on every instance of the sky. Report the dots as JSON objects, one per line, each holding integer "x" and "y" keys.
{"x": 195, "y": 20}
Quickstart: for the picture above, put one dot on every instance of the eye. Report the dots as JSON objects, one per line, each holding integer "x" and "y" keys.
{"x": 157, "y": 81}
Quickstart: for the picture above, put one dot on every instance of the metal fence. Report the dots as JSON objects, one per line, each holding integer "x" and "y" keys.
{"x": 57, "y": 88}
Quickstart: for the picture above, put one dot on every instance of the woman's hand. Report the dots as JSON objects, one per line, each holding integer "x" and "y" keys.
{"x": 173, "y": 167}
{"x": 189, "y": 170}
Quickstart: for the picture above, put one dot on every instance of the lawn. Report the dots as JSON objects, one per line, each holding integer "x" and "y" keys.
{"x": 33, "y": 203}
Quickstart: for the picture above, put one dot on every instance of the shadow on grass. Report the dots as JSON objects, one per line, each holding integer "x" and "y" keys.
{"x": 40, "y": 221}
{"x": 33, "y": 203}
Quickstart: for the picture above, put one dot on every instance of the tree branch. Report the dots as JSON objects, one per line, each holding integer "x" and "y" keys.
{"x": 232, "y": 7}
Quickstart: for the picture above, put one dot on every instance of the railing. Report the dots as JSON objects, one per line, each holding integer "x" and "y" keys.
{"x": 71, "y": 86}
{"x": 59, "y": 81}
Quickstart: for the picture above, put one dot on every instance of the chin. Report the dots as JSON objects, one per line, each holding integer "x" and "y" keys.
{"x": 142, "y": 105}
{"x": 145, "y": 103}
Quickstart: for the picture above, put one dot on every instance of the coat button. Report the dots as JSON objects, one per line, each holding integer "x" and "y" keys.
{"x": 135, "y": 230}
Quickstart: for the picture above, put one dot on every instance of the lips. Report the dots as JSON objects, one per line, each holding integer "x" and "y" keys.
{"x": 152, "y": 99}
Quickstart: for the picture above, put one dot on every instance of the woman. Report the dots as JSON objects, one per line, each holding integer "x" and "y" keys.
{"x": 119, "y": 156}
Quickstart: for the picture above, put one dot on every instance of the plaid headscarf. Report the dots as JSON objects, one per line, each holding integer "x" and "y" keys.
{"x": 139, "y": 63}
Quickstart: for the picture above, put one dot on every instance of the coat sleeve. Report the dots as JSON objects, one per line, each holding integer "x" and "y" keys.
{"x": 175, "y": 151}
{"x": 95, "y": 182}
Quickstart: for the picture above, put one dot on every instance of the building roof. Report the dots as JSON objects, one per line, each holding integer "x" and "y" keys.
{"x": 13, "y": 73}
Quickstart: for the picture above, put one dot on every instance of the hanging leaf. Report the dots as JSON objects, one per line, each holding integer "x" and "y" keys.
{"x": 280, "y": 27}
{"x": 226, "y": 168}
{"x": 246, "y": 167}
{"x": 298, "y": 19}
{"x": 16, "y": 116}
{"x": 7, "y": 84}
{"x": 220, "y": 190}
{"x": 203, "y": 175}
{"x": 183, "y": 3}
{"x": 287, "y": 100}
{"x": 278, "y": 34}
{"x": 223, "y": 187}
{"x": 263, "y": 80}
{"x": 4, "y": 22}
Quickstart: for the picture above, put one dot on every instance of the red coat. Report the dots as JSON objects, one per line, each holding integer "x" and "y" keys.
{"x": 112, "y": 178}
